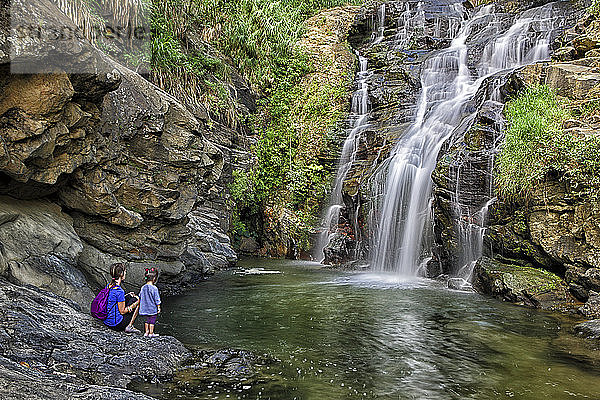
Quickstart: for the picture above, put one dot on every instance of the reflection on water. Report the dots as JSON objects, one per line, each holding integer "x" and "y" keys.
{"x": 344, "y": 335}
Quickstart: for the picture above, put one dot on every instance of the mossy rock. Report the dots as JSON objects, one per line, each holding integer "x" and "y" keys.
{"x": 522, "y": 285}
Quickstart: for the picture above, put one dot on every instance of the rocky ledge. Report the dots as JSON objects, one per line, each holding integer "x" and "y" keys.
{"x": 50, "y": 349}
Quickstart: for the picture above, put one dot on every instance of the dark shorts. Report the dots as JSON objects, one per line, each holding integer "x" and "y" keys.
{"x": 151, "y": 319}
{"x": 120, "y": 327}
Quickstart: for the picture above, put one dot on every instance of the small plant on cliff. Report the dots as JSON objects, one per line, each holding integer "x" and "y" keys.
{"x": 594, "y": 8}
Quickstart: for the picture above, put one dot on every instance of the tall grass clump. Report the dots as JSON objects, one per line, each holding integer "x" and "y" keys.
{"x": 533, "y": 136}
{"x": 259, "y": 36}
{"x": 537, "y": 144}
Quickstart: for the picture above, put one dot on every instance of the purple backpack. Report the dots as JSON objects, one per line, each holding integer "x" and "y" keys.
{"x": 100, "y": 303}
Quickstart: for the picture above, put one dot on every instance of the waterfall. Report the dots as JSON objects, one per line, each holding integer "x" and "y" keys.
{"x": 380, "y": 25}
{"x": 449, "y": 84}
{"x": 359, "y": 116}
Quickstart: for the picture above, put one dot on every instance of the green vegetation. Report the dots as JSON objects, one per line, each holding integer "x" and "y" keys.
{"x": 594, "y": 8}
{"x": 258, "y": 38}
{"x": 537, "y": 144}
{"x": 296, "y": 122}
{"x": 534, "y": 123}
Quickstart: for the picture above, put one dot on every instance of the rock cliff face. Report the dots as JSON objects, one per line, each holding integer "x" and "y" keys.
{"x": 557, "y": 229}
{"x": 102, "y": 166}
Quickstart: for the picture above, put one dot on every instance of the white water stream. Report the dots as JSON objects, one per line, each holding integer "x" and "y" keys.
{"x": 359, "y": 115}
{"x": 359, "y": 120}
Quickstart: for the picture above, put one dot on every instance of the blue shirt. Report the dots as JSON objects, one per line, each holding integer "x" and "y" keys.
{"x": 149, "y": 300}
{"x": 115, "y": 295}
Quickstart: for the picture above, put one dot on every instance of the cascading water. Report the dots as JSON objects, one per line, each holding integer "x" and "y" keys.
{"x": 515, "y": 48}
{"x": 448, "y": 86}
{"x": 380, "y": 25}
{"x": 359, "y": 116}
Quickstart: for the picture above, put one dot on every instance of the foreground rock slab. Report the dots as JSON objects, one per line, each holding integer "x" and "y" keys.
{"x": 18, "y": 382}
{"x": 48, "y": 340}
{"x": 227, "y": 370}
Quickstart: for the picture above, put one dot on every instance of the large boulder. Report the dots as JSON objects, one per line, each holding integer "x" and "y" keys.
{"x": 571, "y": 80}
{"x": 522, "y": 285}
{"x": 591, "y": 308}
{"x": 49, "y": 334}
{"x": 40, "y": 247}
{"x": 588, "y": 329}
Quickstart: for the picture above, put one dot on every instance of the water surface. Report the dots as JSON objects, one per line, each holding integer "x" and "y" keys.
{"x": 342, "y": 335}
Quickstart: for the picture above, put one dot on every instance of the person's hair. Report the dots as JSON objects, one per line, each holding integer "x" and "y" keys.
{"x": 151, "y": 274}
{"x": 117, "y": 270}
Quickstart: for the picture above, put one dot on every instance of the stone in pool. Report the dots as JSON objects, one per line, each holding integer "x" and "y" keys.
{"x": 459, "y": 284}
{"x": 589, "y": 329}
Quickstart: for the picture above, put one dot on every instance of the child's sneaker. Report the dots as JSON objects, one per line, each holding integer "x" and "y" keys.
{"x": 146, "y": 334}
{"x": 132, "y": 329}
{"x": 153, "y": 335}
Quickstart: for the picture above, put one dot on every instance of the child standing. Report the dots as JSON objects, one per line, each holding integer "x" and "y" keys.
{"x": 150, "y": 301}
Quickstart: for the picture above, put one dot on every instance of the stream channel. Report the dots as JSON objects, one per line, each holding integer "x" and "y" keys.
{"x": 344, "y": 335}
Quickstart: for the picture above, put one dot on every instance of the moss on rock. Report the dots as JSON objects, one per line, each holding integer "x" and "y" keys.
{"x": 522, "y": 285}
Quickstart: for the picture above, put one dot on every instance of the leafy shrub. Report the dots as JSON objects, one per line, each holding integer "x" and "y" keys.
{"x": 534, "y": 121}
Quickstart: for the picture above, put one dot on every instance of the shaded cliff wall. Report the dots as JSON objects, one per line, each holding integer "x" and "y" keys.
{"x": 112, "y": 168}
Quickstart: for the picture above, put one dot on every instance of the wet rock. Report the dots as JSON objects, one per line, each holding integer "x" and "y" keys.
{"x": 583, "y": 280}
{"x": 50, "y": 335}
{"x": 338, "y": 249}
{"x": 224, "y": 369}
{"x": 588, "y": 329}
{"x": 567, "y": 53}
{"x": 462, "y": 182}
{"x": 522, "y": 285}
{"x": 591, "y": 308}
{"x": 228, "y": 363}
{"x": 579, "y": 292}
{"x": 248, "y": 245}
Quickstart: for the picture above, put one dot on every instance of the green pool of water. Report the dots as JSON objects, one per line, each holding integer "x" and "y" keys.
{"x": 341, "y": 335}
